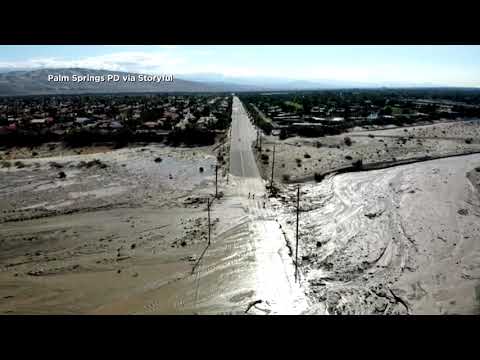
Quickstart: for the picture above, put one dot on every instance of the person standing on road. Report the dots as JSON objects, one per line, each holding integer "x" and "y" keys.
{"x": 249, "y": 195}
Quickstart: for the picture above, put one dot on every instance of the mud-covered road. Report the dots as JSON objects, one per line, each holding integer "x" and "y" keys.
{"x": 246, "y": 269}
{"x": 274, "y": 272}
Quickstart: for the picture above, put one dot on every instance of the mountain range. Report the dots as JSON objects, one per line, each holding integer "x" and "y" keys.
{"x": 35, "y": 82}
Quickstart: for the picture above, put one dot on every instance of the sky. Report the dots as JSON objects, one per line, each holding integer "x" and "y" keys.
{"x": 432, "y": 65}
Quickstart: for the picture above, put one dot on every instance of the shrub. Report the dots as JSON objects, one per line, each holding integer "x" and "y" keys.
{"x": 19, "y": 164}
{"x": 6, "y": 164}
{"x": 348, "y": 157}
{"x": 358, "y": 164}
{"x": 158, "y": 159}
{"x": 92, "y": 163}
{"x": 62, "y": 175}
{"x": 56, "y": 165}
{"x": 347, "y": 141}
{"x": 286, "y": 177}
{"x": 371, "y": 135}
{"x": 201, "y": 169}
{"x": 307, "y": 156}
{"x": 317, "y": 176}
{"x": 264, "y": 157}
{"x": 468, "y": 141}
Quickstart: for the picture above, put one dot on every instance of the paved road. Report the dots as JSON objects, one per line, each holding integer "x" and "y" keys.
{"x": 242, "y": 161}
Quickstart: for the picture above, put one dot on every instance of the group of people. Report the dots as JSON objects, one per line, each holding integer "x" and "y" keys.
{"x": 253, "y": 197}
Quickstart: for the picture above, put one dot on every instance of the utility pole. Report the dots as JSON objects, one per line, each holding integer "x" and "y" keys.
{"x": 216, "y": 181}
{"x": 260, "y": 142}
{"x": 273, "y": 167}
{"x": 296, "y": 250}
{"x": 208, "y": 209}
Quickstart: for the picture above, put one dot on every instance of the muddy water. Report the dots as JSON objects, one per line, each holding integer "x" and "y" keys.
{"x": 393, "y": 241}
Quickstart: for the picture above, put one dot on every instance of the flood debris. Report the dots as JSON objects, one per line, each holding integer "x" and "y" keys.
{"x": 252, "y": 304}
{"x": 90, "y": 164}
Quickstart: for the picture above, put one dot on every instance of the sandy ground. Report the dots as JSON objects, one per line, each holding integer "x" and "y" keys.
{"x": 298, "y": 158}
{"x": 49, "y": 150}
{"x": 403, "y": 240}
{"x": 108, "y": 230}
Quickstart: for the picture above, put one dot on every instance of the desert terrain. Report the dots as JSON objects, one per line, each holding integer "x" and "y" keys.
{"x": 298, "y": 159}
{"x": 78, "y": 231}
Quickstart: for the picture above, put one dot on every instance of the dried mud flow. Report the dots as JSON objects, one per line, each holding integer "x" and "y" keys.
{"x": 403, "y": 240}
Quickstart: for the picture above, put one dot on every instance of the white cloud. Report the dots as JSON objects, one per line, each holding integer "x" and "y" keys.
{"x": 135, "y": 61}
{"x": 138, "y": 61}
{"x": 167, "y": 59}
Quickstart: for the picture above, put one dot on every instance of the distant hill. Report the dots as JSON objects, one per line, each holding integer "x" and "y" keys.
{"x": 272, "y": 83}
{"x": 286, "y": 84}
{"x": 35, "y": 82}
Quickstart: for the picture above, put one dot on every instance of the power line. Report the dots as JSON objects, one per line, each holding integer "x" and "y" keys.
{"x": 296, "y": 250}
{"x": 216, "y": 181}
{"x": 208, "y": 209}
{"x": 273, "y": 167}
